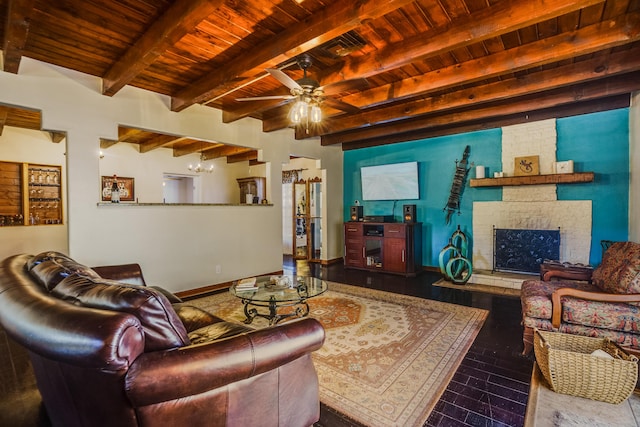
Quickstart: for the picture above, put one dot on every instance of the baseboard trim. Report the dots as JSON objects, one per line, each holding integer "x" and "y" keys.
{"x": 211, "y": 289}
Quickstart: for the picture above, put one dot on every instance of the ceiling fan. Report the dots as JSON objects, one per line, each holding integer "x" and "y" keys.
{"x": 309, "y": 94}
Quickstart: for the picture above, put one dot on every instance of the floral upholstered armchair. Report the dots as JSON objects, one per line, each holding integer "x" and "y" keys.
{"x": 604, "y": 304}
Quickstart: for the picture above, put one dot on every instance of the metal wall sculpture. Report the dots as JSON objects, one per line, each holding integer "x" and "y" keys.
{"x": 457, "y": 187}
{"x": 457, "y": 268}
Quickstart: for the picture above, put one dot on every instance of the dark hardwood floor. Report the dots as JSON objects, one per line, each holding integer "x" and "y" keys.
{"x": 491, "y": 386}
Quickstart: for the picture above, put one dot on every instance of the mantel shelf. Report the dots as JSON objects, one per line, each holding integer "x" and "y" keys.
{"x": 558, "y": 178}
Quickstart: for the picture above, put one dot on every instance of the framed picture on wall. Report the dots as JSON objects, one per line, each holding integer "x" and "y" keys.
{"x": 528, "y": 165}
{"x": 126, "y": 186}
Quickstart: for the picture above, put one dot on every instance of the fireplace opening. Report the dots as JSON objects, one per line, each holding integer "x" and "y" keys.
{"x": 522, "y": 251}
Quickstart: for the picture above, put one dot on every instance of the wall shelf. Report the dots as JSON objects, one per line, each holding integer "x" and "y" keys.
{"x": 558, "y": 178}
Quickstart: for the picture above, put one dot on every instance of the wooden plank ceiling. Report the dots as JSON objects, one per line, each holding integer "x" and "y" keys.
{"x": 406, "y": 69}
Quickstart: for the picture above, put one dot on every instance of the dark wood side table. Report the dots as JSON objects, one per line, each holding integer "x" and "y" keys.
{"x": 565, "y": 270}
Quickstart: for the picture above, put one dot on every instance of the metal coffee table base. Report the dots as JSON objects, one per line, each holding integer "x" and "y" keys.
{"x": 301, "y": 310}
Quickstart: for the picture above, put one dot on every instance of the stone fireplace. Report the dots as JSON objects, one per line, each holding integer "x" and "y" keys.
{"x": 531, "y": 207}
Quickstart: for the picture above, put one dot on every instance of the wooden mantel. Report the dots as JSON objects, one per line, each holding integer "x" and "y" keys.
{"x": 558, "y": 178}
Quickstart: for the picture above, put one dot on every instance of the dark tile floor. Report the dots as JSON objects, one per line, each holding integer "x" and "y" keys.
{"x": 491, "y": 386}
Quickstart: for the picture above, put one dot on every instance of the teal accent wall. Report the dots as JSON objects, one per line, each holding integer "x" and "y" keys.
{"x": 597, "y": 142}
{"x": 436, "y": 159}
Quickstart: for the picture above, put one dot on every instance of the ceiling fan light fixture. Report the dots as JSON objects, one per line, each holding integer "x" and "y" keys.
{"x": 316, "y": 114}
{"x": 299, "y": 111}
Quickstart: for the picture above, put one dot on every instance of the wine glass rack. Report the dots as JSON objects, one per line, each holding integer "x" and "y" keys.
{"x": 31, "y": 194}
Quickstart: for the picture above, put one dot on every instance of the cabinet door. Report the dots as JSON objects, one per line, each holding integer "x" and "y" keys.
{"x": 395, "y": 255}
{"x": 395, "y": 248}
{"x": 353, "y": 245}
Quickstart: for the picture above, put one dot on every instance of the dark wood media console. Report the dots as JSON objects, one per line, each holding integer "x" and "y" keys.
{"x": 390, "y": 247}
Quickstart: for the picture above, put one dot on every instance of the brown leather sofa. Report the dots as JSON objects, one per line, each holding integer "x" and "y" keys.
{"x": 109, "y": 353}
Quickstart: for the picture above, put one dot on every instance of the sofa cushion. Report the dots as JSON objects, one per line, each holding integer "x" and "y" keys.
{"x": 536, "y": 296}
{"x": 193, "y": 317}
{"x": 162, "y": 327}
{"x": 605, "y": 315}
{"x": 619, "y": 272}
{"x": 217, "y": 331}
{"x": 49, "y": 268}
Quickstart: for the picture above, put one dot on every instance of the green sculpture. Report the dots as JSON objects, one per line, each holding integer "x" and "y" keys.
{"x": 457, "y": 268}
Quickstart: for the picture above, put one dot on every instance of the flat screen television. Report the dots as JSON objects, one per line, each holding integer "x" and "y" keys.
{"x": 397, "y": 181}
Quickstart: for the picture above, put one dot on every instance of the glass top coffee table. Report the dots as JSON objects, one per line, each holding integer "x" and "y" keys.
{"x": 283, "y": 296}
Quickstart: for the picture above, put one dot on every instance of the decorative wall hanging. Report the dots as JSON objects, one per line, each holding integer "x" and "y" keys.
{"x": 291, "y": 175}
{"x": 457, "y": 187}
{"x": 527, "y": 165}
{"x": 125, "y": 184}
{"x": 458, "y": 267}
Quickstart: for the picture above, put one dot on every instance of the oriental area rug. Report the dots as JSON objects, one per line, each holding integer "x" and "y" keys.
{"x": 387, "y": 358}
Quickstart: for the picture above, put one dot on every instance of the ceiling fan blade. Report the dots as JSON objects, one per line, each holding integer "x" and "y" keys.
{"x": 284, "y": 78}
{"x": 340, "y": 105}
{"x": 345, "y": 85}
{"x": 265, "y": 98}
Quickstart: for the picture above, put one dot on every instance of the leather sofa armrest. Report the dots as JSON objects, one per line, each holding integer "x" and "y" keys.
{"x": 556, "y": 300}
{"x": 166, "y": 375}
{"x": 567, "y": 274}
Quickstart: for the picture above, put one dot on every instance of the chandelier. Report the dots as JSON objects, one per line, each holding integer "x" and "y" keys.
{"x": 202, "y": 165}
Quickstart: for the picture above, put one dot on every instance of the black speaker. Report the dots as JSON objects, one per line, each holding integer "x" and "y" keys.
{"x": 409, "y": 213}
{"x": 356, "y": 213}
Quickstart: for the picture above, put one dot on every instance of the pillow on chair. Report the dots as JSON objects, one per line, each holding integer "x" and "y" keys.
{"x": 619, "y": 272}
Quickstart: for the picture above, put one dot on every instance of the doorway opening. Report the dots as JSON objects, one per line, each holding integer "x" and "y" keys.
{"x": 302, "y": 209}
{"x": 180, "y": 188}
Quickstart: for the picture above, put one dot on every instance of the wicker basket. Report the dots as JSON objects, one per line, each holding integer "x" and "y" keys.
{"x": 567, "y": 364}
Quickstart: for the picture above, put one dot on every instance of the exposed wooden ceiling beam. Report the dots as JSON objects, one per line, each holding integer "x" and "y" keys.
{"x": 323, "y": 26}
{"x": 159, "y": 141}
{"x": 232, "y": 113}
{"x": 194, "y": 146}
{"x": 250, "y": 156}
{"x": 587, "y": 40}
{"x": 578, "y": 108}
{"x": 487, "y": 23}
{"x": 618, "y": 85}
{"x": 596, "y": 68}
{"x": 4, "y": 113}
{"x": 600, "y": 36}
{"x": 16, "y": 29}
{"x": 181, "y": 18}
{"x": 57, "y": 137}
{"x": 106, "y": 143}
{"x": 126, "y": 134}
{"x": 499, "y": 19}
{"x": 224, "y": 151}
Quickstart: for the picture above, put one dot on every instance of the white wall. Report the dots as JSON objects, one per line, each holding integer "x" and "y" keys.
{"x": 634, "y": 168}
{"x": 178, "y": 247}
{"x": 148, "y": 169}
